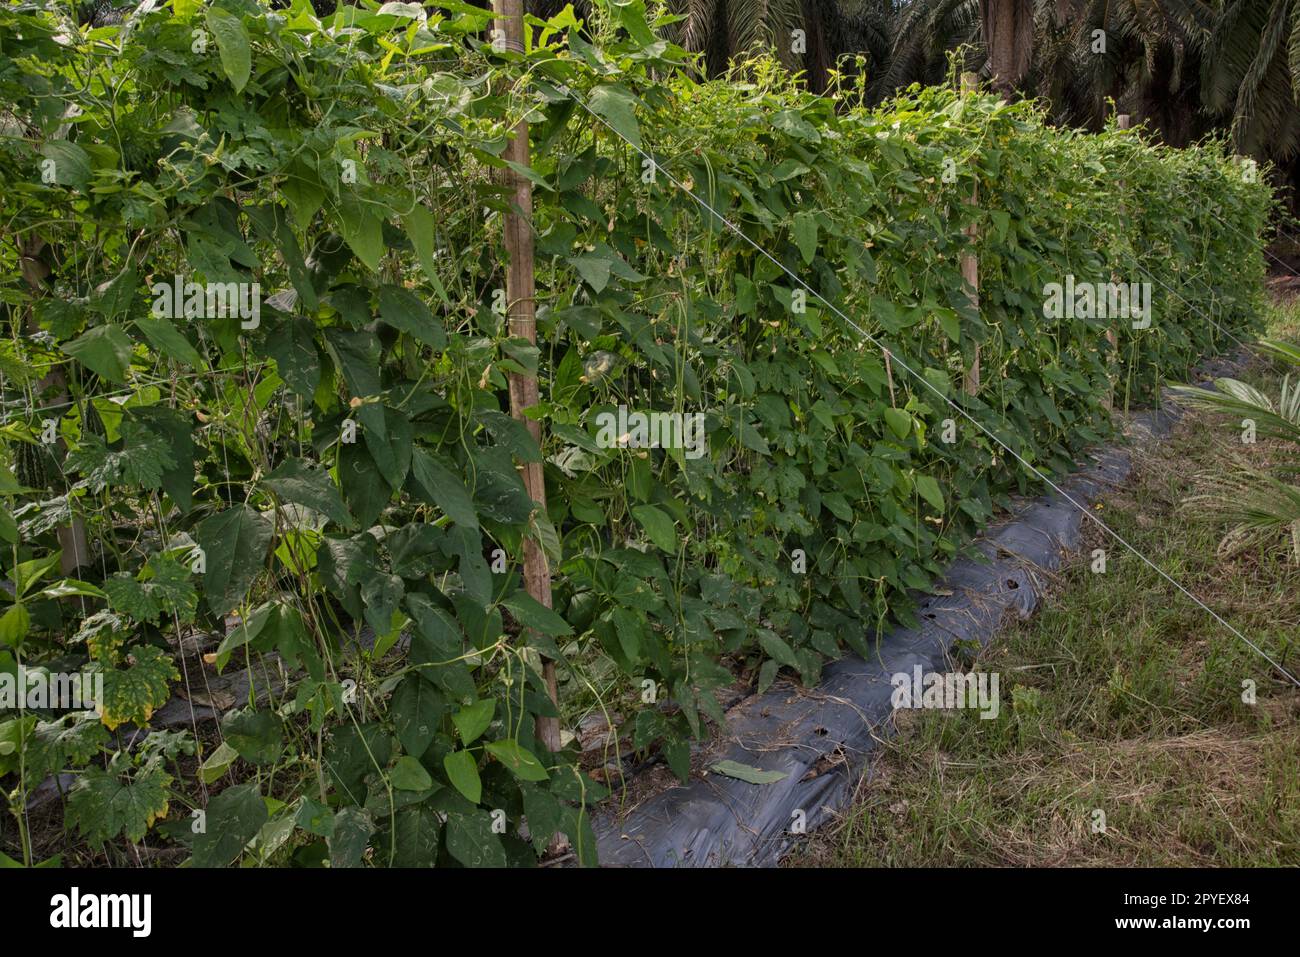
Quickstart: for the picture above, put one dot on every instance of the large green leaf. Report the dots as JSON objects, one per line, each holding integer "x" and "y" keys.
{"x": 296, "y": 357}
{"x": 462, "y": 771}
{"x": 349, "y": 836}
{"x": 67, "y": 163}
{"x": 108, "y": 804}
{"x": 805, "y": 234}
{"x": 614, "y": 103}
{"x": 233, "y": 818}
{"x": 409, "y": 775}
{"x": 471, "y": 841}
{"x": 232, "y": 44}
{"x": 438, "y": 484}
{"x": 167, "y": 339}
{"x": 234, "y": 543}
{"x": 416, "y": 836}
{"x": 473, "y": 719}
{"x": 518, "y": 759}
{"x": 531, "y": 613}
{"x": 658, "y": 526}
{"x": 416, "y": 709}
{"x": 745, "y": 772}
{"x": 362, "y": 228}
{"x": 104, "y": 350}
{"x": 135, "y": 692}
{"x": 256, "y": 735}
{"x": 419, "y": 229}
{"x": 404, "y": 310}
{"x": 296, "y": 480}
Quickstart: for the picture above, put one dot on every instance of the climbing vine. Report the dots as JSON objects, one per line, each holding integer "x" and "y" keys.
{"x": 255, "y": 410}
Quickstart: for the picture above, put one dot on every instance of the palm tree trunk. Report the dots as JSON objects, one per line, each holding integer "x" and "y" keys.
{"x": 1008, "y": 28}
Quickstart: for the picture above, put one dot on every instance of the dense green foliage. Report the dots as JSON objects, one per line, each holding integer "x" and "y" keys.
{"x": 334, "y": 491}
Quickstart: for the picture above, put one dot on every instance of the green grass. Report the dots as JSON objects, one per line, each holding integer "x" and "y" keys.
{"x": 1120, "y": 696}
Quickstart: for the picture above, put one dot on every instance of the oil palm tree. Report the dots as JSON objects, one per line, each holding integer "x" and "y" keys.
{"x": 1251, "y": 74}
{"x": 808, "y": 35}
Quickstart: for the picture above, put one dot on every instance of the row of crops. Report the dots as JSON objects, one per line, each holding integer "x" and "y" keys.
{"x": 255, "y": 399}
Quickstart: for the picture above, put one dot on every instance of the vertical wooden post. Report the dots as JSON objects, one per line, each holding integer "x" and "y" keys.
{"x": 1124, "y": 121}
{"x": 970, "y": 267}
{"x": 520, "y": 296}
{"x": 71, "y": 537}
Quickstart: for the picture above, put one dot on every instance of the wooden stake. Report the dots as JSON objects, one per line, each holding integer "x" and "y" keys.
{"x": 1124, "y": 121}
{"x": 71, "y": 537}
{"x": 970, "y": 266}
{"x": 520, "y": 296}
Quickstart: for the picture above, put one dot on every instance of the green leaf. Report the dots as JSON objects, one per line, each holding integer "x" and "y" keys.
{"x": 632, "y": 17}
{"x": 616, "y": 105}
{"x": 72, "y": 740}
{"x": 805, "y": 234}
{"x": 71, "y": 164}
{"x": 419, "y": 229}
{"x": 929, "y": 490}
{"x": 594, "y": 271}
{"x": 256, "y": 735}
{"x": 416, "y": 709}
{"x": 232, "y": 43}
{"x": 531, "y": 613}
{"x": 472, "y": 720}
{"x": 409, "y": 775}
{"x": 134, "y": 693}
{"x": 470, "y": 840}
{"x": 545, "y": 816}
{"x": 388, "y": 437}
{"x": 416, "y": 831}
{"x": 315, "y": 818}
{"x": 162, "y": 587}
{"x": 439, "y": 485}
{"x": 518, "y": 759}
{"x": 107, "y": 804}
{"x": 14, "y": 625}
{"x": 217, "y": 763}
{"x": 404, "y": 310}
{"x": 233, "y": 819}
{"x": 234, "y": 543}
{"x": 302, "y": 191}
{"x": 462, "y": 771}
{"x": 296, "y": 356}
{"x": 116, "y": 296}
{"x": 950, "y": 322}
{"x": 296, "y": 480}
{"x": 777, "y": 648}
{"x": 349, "y": 836}
{"x": 361, "y": 229}
{"x": 658, "y": 526}
{"x": 248, "y": 630}
{"x": 166, "y": 339}
{"x": 354, "y": 752}
{"x": 899, "y": 422}
{"x": 104, "y": 350}
{"x": 170, "y": 443}
{"x": 745, "y": 772}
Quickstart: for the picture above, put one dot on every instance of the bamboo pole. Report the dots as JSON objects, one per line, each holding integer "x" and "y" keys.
{"x": 970, "y": 267}
{"x": 521, "y": 300}
{"x": 1124, "y": 121}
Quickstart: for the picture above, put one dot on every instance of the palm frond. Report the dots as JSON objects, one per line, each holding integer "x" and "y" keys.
{"x": 1260, "y": 508}
{"x": 1231, "y": 397}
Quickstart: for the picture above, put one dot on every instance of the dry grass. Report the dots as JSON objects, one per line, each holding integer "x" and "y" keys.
{"x": 1121, "y": 696}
